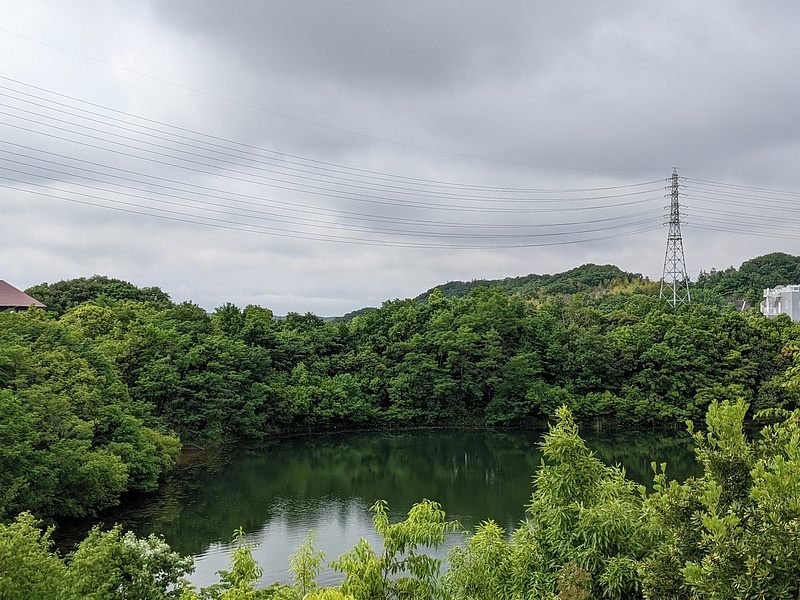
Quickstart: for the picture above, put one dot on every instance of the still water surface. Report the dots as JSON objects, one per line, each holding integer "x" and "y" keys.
{"x": 278, "y": 491}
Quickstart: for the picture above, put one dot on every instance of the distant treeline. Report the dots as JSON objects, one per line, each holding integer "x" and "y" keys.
{"x": 586, "y": 278}
{"x": 97, "y": 391}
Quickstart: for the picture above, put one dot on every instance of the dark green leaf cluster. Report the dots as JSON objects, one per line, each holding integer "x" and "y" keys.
{"x": 88, "y": 396}
{"x": 71, "y": 439}
{"x": 107, "y": 565}
{"x": 733, "y": 533}
{"x": 61, "y": 296}
{"x": 748, "y": 282}
{"x": 730, "y": 534}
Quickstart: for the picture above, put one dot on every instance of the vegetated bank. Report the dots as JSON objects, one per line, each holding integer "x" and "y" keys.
{"x": 97, "y": 395}
{"x": 115, "y": 377}
{"x": 589, "y": 533}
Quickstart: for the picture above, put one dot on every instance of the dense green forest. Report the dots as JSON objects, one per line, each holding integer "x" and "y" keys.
{"x": 731, "y": 284}
{"x": 731, "y": 533}
{"x": 98, "y": 392}
{"x": 587, "y": 278}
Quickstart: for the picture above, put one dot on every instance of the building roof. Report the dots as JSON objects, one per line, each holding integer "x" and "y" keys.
{"x": 11, "y": 297}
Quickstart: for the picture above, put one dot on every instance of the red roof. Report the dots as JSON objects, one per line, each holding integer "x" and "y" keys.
{"x": 11, "y": 297}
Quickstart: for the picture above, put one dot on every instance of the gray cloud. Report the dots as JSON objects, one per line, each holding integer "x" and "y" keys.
{"x": 373, "y": 104}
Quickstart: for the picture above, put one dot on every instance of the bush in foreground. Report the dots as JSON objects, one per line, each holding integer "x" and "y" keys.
{"x": 733, "y": 533}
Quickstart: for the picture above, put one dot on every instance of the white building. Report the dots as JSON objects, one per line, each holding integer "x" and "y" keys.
{"x": 782, "y": 300}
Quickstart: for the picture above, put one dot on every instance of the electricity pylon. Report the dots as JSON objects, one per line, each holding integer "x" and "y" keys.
{"x": 674, "y": 281}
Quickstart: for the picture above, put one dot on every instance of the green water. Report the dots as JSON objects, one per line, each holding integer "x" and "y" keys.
{"x": 278, "y": 491}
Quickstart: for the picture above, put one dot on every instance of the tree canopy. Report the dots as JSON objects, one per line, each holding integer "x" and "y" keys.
{"x": 731, "y": 534}
{"x": 117, "y": 377}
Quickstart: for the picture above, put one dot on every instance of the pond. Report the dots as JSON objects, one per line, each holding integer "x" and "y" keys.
{"x": 280, "y": 490}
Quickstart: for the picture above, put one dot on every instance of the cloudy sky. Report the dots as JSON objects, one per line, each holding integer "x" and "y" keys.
{"x": 325, "y": 156}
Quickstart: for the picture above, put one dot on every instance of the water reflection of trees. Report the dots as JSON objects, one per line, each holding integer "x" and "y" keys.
{"x": 474, "y": 474}
{"x": 636, "y": 450}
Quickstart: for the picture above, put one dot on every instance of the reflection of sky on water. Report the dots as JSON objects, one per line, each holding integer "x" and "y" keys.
{"x": 340, "y": 523}
{"x": 280, "y": 490}
{"x": 475, "y": 475}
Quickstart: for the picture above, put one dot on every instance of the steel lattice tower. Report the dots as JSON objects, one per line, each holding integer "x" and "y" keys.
{"x": 674, "y": 281}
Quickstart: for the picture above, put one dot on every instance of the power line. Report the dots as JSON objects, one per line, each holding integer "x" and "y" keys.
{"x": 52, "y": 173}
{"x": 168, "y": 160}
{"x": 214, "y": 208}
{"x": 763, "y": 191}
{"x": 284, "y": 115}
{"x": 744, "y": 210}
{"x": 218, "y": 157}
{"x": 329, "y": 192}
{"x": 250, "y": 177}
{"x": 251, "y": 228}
{"x": 257, "y": 151}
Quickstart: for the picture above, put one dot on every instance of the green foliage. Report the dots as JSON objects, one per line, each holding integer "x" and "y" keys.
{"x": 400, "y": 570}
{"x": 244, "y": 570}
{"x": 752, "y": 277}
{"x": 751, "y": 521}
{"x": 28, "y": 566}
{"x": 70, "y": 438}
{"x": 587, "y": 514}
{"x": 107, "y": 565}
{"x": 594, "y": 338}
{"x": 483, "y": 567}
{"x": 588, "y": 277}
{"x": 64, "y": 295}
{"x": 305, "y": 565}
{"x": 116, "y": 565}
{"x": 734, "y": 533}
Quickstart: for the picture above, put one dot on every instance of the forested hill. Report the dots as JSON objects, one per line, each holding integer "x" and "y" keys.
{"x": 731, "y": 285}
{"x": 98, "y": 391}
{"x": 749, "y": 281}
{"x": 586, "y": 278}
{"x": 61, "y": 296}
{"x": 746, "y": 283}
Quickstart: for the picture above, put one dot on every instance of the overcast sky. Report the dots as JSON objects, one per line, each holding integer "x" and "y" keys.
{"x": 326, "y": 156}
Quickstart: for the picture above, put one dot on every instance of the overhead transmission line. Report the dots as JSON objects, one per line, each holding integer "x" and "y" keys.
{"x": 744, "y": 210}
{"x": 710, "y": 201}
{"x": 261, "y": 155}
{"x": 196, "y": 192}
{"x": 164, "y": 163}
